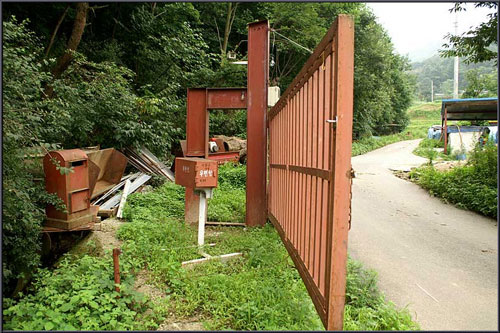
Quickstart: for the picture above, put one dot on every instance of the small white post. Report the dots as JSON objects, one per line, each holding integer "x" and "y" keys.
{"x": 123, "y": 199}
{"x": 202, "y": 218}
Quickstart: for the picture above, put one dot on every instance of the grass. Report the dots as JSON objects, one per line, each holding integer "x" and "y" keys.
{"x": 427, "y": 148}
{"x": 422, "y": 116}
{"x": 472, "y": 186}
{"x": 259, "y": 291}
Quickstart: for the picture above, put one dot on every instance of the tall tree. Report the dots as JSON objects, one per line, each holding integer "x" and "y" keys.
{"x": 478, "y": 44}
{"x": 74, "y": 39}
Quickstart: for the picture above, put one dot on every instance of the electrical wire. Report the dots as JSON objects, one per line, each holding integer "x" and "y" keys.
{"x": 288, "y": 39}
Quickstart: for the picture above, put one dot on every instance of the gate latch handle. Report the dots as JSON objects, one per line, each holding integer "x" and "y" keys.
{"x": 333, "y": 121}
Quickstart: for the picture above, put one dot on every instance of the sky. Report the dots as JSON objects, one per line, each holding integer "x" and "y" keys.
{"x": 418, "y": 29}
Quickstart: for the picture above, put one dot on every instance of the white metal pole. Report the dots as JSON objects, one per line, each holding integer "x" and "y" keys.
{"x": 202, "y": 218}
{"x": 432, "y": 91}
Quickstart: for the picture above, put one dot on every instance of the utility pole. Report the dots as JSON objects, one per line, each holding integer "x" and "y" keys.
{"x": 432, "y": 91}
{"x": 455, "y": 73}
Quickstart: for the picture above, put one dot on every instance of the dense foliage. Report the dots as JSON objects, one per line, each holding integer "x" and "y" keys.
{"x": 79, "y": 295}
{"x": 473, "y": 186}
{"x": 24, "y": 116}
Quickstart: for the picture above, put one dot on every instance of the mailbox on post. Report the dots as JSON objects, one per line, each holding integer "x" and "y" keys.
{"x": 196, "y": 173}
{"x": 199, "y": 177}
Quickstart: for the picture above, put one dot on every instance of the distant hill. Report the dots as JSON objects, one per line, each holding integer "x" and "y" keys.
{"x": 440, "y": 70}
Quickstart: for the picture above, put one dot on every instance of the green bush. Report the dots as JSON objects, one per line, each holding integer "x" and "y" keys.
{"x": 473, "y": 186}
{"x": 232, "y": 176}
{"x": 79, "y": 295}
{"x": 24, "y": 119}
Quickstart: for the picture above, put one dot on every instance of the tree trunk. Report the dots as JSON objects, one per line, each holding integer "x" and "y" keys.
{"x": 54, "y": 33}
{"x": 74, "y": 40}
{"x": 231, "y": 13}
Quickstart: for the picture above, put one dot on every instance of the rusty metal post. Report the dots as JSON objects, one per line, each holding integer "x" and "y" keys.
{"x": 257, "y": 85}
{"x": 116, "y": 267}
{"x": 197, "y": 123}
{"x": 196, "y": 143}
{"x": 445, "y": 130}
{"x": 341, "y": 159}
{"x": 191, "y": 206}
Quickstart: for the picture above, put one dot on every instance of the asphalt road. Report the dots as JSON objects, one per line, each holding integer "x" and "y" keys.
{"x": 439, "y": 260}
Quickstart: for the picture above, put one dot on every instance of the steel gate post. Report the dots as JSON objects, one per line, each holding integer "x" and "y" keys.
{"x": 197, "y": 123}
{"x": 341, "y": 160}
{"x": 257, "y": 85}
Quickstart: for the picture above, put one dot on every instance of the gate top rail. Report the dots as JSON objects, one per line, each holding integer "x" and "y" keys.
{"x": 317, "y": 58}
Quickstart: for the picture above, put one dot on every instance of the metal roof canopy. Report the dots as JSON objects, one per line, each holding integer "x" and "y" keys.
{"x": 470, "y": 109}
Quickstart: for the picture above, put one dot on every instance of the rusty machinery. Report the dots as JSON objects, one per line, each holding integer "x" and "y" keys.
{"x": 253, "y": 98}
{"x": 72, "y": 188}
{"x": 94, "y": 172}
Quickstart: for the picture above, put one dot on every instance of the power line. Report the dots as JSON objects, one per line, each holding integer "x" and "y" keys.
{"x": 288, "y": 39}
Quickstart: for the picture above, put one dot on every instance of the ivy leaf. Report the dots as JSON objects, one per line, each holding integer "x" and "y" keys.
{"x": 48, "y": 326}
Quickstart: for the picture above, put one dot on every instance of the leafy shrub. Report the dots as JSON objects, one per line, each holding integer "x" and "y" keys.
{"x": 473, "y": 186}
{"x": 78, "y": 295}
{"x": 24, "y": 116}
{"x": 233, "y": 176}
{"x": 165, "y": 201}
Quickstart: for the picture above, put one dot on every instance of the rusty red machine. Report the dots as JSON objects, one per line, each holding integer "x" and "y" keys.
{"x": 72, "y": 188}
{"x": 93, "y": 173}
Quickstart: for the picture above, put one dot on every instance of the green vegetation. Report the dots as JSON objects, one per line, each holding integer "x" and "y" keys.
{"x": 440, "y": 71}
{"x": 80, "y": 295}
{"x": 473, "y": 186}
{"x": 479, "y": 44}
{"x": 427, "y": 148}
{"x": 259, "y": 291}
{"x": 421, "y": 115}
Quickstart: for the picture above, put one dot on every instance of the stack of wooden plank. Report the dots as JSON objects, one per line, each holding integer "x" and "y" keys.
{"x": 113, "y": 201}
{"x": 146, "y": 162}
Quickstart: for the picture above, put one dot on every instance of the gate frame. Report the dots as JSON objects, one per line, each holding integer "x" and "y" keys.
{"x": 254, "y": 99}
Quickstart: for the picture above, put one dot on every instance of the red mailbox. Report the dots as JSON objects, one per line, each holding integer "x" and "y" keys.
{"x": 196, "y": 173}
{"x": 72, "y": 188}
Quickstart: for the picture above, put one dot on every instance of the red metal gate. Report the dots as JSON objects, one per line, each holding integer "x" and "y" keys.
{"x": 310, "y": 134}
